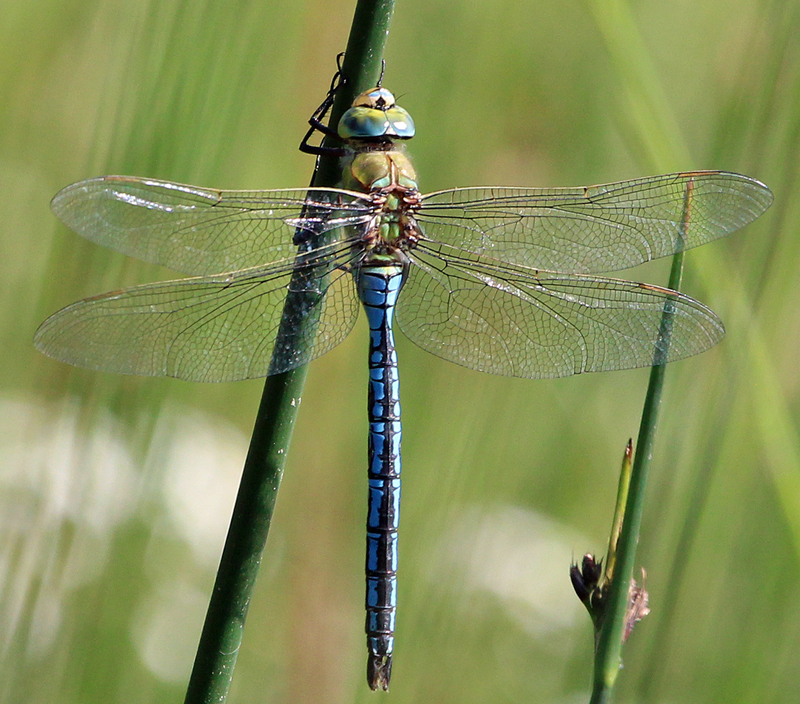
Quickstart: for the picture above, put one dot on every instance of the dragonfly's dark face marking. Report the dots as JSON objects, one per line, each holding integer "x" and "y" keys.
{"x": 379, "y": 98}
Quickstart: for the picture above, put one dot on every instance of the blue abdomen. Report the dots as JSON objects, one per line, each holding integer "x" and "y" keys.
{"x": 378, "y": 287}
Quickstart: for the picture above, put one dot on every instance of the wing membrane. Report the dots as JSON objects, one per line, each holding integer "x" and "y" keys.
{"x": 216, "y": 328}
{"x": 202, "y": 231}
{"x": 601, "y": 228}
{"x": 516, "y": 321}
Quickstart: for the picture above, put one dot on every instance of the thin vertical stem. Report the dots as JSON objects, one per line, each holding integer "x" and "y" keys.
{"x": 608, "y": 653}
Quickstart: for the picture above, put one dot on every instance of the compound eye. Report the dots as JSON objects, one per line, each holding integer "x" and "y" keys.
{"x": 361, "y": 122}
{"x": 401, "y": 124}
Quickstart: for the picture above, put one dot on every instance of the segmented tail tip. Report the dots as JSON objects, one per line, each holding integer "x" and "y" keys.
{"x": 379, "y": 671}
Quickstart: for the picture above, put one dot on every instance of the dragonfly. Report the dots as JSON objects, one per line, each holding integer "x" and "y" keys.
{"x": 502, "y": 280}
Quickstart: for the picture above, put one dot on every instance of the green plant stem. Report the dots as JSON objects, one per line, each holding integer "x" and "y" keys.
{"x": 623, "y": 487}
{"x": 609, "y": 643}
{"x": 247, "y": 535}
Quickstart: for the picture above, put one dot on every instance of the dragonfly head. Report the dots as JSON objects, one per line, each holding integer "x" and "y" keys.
{"x": 374, "y": 115}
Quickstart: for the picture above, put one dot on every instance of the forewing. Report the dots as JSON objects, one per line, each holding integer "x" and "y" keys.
{"x": 215, "y": 328}
{"x": 202, "y": 231}
{"x": 595, "y": 229}
{"x": 515, "y": 321}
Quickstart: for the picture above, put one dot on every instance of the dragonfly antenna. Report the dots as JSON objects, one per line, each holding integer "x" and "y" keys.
{"x": 383, "y": 70}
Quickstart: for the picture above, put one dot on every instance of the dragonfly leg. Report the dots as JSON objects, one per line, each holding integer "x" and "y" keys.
{"x": 317, "y": 125}
{"x": 318, "y": 149}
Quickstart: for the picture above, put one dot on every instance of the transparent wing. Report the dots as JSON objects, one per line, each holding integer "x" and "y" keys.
{"x": 203, "y": 231}
{"x": 215, "y": 328}
{"x": 595, "y": 229}
{"x": 515, "y": 321}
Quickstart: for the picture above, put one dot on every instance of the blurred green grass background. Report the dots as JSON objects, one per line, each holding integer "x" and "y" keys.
{"x": 116, "y": 491}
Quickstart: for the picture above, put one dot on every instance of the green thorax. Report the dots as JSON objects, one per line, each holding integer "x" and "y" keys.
{"x": 367, "y": 170}
{"x": 390, "y": 176}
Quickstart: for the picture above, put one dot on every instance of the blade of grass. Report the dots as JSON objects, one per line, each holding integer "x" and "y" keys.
{"x": 224, "y": 625}
{"x": 623, "y": 487}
